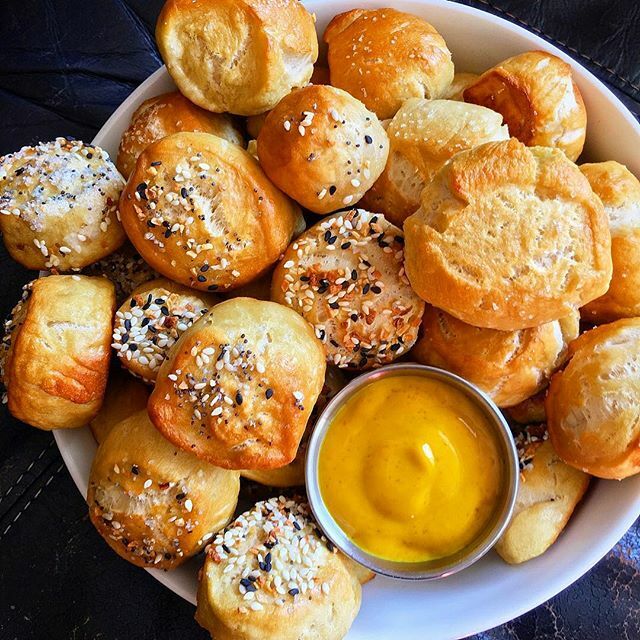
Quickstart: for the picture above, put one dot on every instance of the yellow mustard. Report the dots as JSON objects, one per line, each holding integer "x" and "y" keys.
{"x": 410, "y": 469}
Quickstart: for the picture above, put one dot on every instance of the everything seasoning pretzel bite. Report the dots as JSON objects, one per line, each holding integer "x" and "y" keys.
{"x": 322, "y": 147}
{"x": 156, "y": 506}
{"x": 59, "y": 205}
{"x": 150, "y": 321}
{"x": 201, "y": 212}
{"x": 345, "y": 275}
{"x": 239, "y": 385}
{"x": 272, "y": 574}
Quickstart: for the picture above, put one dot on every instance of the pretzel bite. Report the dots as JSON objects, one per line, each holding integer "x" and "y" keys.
{"x": 384, "y": 57}
{"x": 510, "y": 366}
{"x": 345, "y": 276}
{"x": 423, "y": 135}
{"x": 150, "y": 321}
{"x": 508, "y": 237}
{"x": 239, "y": 385}
{"x": 293, "y": 474}
{"x": 125, "y": 268}
{"x": 549, "y": 492}
{"x": 163, "y": 115}
{"x": 240, "y": 56}
{"x": 123, "y": 397}
{"x": 329, "y": 141}
{"x": 272, "y": 575}
{"x": 58, "y": 205}
{"x": 593, "y": 403}
{"x": 538, "y": 99}
{"x": 202, "y": 213}
{"x": 55, "y": 353}
{"x": 619, "y": 191}
{"x": 154, "y": 505}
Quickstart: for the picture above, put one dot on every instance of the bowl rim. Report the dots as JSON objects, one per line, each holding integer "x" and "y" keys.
{"x": 487, "y": 538}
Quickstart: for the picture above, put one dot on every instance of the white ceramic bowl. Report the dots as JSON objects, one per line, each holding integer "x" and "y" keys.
{"x": 490, "y": 592}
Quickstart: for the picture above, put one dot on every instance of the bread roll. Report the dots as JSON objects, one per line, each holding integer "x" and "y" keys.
{"x": 125, "y": 268}
{"x": 384, "y": 57}
{"x": 201, "y": 212}
{"x": 459, "y": 83}
{"x": 510, "y": 366}
{"x": 423, "y": 135}
{"x": 123, "y": 397}
{"x": 538, "y": 99}
{"x": 239, "y": 385}
{"x": 619, "y": 191}
{"x": 154, "y": 505}
{"x": 328, "y": 140}
{"x": 58, "y": 205}
{"x": 240, "y": 56}
{"x": 163, "y": 115}
{"x": 293, "y": 474}
{"x": 548, "y": 493}
{"x": 271, "y": 575}
{"x": 56, "y": 356}
{"x": 593, "y": 404}
{"x": 150, "y": 321}
{"x": 508, "y": 237}
{"x": 345, "y": 276}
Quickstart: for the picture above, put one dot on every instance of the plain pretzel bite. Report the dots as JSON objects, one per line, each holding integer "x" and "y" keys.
{"x": 548, "y": 493}
{"x": 55, "y": 357}
{"x": 237, "y": 56}
{"x": 345, "y": 276}
{"x": 202, "y": 213}
{"x": 538, "y": 99}
{"x": 239, "y": 385}
{"x": 322, "y": 147}
{"x": 593, "y": 403}
{"x": 510, "y": 366}
{"x": 154, "y": 505}
{"x": 508, "y": 237}
{"x": 384, "y": 57}
{"x": 423, "y": 135}
{"x": 163, "y": 115}
{"x": 59, "y": 205}
{"x": 619, "y": 191}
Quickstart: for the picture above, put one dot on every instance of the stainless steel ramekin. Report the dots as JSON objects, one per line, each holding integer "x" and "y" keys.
{"x": 433, "y": 569}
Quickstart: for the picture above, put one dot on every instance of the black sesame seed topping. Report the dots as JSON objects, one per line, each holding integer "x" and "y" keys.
{"x": 204, "y": 267}
{"x": 354, "y": 317}
{"x": 294, "y": 592}
{"x": 268, "y": 393}
{"x": 366, "y": 288}
{"x": 156, "y": 163}
{"x": 334, "y": 305}
{"x": 183, "y": 192}
{"x": 238, "y": 398}
{"x": 201, "y": 279}
{"x": 180, "y": 496}
{"x": 345, "y": 245}
{"x": 135, "y": 469}
{"x": 164, "y": 310}
{"x": 376, "y": 289}
{"x": 368, "y": 139}
{"x": 212, "y": 287}
{"x": 332, "y": 189}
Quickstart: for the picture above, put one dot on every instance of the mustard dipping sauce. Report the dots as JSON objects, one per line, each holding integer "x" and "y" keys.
{"x": 410, "y": 469}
